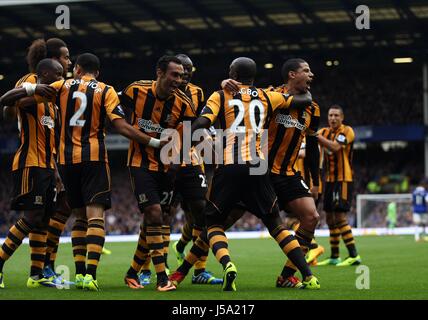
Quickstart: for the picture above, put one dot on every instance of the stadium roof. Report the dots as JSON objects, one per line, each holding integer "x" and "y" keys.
{"x": 146, "y": 27}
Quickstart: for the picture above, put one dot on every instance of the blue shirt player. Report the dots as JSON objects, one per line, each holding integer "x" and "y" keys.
{"x": 420, "y": 211}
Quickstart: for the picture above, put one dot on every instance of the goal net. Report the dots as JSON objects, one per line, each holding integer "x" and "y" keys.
{"x": 372, "y": 210}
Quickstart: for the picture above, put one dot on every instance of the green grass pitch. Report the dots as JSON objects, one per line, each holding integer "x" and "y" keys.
{"x": 397, "y": 270}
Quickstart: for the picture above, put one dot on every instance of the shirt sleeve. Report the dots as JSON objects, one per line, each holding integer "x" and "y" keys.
{"x": 57, "y": 85}
{"x": 112, "y": 105}
{"x": 346, "y": 137}
{"x": 127, "y": 97}
{"x": 190, "y": 111}
{"x": 279, "y": 100}
{"x": 315, "y": 120}
{"x": 212, "y": 108}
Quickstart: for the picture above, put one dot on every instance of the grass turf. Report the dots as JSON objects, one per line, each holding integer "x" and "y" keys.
{"x": 397, "y": 267}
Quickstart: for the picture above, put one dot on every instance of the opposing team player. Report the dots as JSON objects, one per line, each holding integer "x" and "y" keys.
{"x": 420, "y": 211}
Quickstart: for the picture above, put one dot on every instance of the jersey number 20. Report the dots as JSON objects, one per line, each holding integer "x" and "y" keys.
{"x": 235, "y": 127}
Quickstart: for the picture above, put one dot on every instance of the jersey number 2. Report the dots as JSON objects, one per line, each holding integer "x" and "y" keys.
{"x": 74, "y": 121}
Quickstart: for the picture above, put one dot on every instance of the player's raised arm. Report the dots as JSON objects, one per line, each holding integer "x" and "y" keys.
{"x": 230, "y": 85}
{"x": 27, "y": 90}
{"x": 312, "y": 158}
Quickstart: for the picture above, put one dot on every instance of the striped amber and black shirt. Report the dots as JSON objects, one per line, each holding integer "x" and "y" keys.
{"x": 84, "y": 105}
{"x": 37, "y": 136}
{"x": 196, "y": 94}
{"x": 287, "y": 129}
{"x": 29, "y": 77}
{"x": 338, "y": 165}
{"x": 152, "y": 116}
{"x": 245, "y": 114}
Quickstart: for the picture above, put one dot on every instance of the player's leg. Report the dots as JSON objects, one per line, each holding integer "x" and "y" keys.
{"x": 265, "y": 207}
{"x": 347, "y": 236}
{"x": 308, "y": 215}
{"x": 78, "y": 243}
{"x": 43, "y": 191}
{"x": 141, "y": 254}
{"x": 424, "y": 219}
{"x": 186, "y": 232}
{"x": 71, "y": 177}
{"x": 96, "y": 192}
{"x": 334, "y": 240}
{"x": 154, "y": 190}
{"x": 201, "y": 245}
{"x": 166, "y": 234}
{"x": 225, "y": 191}
{"x": 31, "y": 194}
{"x": 141, "y": 184}
{"x": 12, "y": 242}
{"x": 295, "y": 197}
{"x": 193, "y": 188}
{"x": 417, "y": 222}
{"x": 186, "y": 235}
{"x": 55, "y": 229}
{"x": 290, "y": 246}
{"x": 344, "y": 191}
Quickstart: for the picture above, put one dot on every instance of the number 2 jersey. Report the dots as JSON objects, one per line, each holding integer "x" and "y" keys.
{"x": 84, "y": 105}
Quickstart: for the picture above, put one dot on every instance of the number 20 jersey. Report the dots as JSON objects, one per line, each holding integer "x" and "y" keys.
{"x": 244, "y": 117}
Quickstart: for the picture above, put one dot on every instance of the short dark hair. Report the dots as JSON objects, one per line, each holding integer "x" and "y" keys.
{"x": 88, "y": 62}
{"x": 245, "y": 69}
{"x": 290, "y": 65}
{"x": 164, "y": 61}
{"x": 337, "y": 107}
{"x": 182, "y": 55}
{"x": 53, "y": 46}
{"x": 46, "y": 64}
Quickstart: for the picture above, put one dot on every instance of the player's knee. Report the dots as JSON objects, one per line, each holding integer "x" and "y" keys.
{"x": 198, "y": 213}
{"x": 36, "y": 219}
{"x": 312, "y": 217}
{"x": 330, "y": 220}
{"x": 153, "y": 215}
{"x": 197, "y": 207}
{"x": 166, "y": 218}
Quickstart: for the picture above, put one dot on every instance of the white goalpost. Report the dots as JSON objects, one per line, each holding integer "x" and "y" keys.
{"x": 372, "y": 210}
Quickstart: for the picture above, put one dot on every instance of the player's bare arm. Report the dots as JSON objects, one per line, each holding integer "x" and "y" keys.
{"x": 125, "y": 129}
{"x": 312, "y": 160}
{"x": 333, "y": 146}
{"x": 14, "y": 95}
